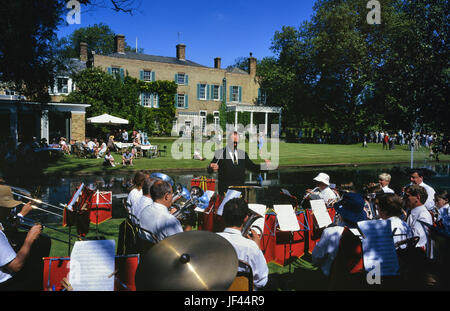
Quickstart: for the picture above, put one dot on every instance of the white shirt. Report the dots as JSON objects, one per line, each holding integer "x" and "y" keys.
{"x": 248, "y": 251}
{"x": 7, "y": 254}
{"x": 429, "y": 204}
{"x": 386, "y": 189}
{"x": 444, "y": 216}
{"x": 327, "y": 195}
{"x": 157, "y": 219}
{"x": 133, "y": 197}
{"x": 401, "y": 230}
{"x": 137, "y": 208}
{"x": 326, "y": 249}
{"x": 91, "y": 145}
{"x": 419, "y": 213}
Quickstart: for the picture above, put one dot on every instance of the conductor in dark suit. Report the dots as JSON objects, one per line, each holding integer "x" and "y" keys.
{"x": 231, "y": 164}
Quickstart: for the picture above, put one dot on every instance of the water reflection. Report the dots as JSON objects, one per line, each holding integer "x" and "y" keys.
{"x": 296, "y": 180}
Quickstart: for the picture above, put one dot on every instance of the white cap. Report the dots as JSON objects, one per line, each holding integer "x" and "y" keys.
{"x": 324, "y": 178}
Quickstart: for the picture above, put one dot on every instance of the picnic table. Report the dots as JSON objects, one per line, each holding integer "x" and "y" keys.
{"x": 151, "y": 150}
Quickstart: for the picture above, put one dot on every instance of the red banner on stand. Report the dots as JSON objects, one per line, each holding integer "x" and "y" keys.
{"x": 101, "y": 207}
{"x": 315, "y": 233}
{"x": 279, "y": 246}
{"x": 204, "y": 183}
{"x": 77, "y": 211}
{"x": 209, "y": 220}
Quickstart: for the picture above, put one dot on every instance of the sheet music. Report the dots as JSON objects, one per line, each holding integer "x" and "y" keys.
{"x": 286, "y": 218}
{"x": 91, "y": 265}
{"x": 75, "y": 197}
{"x": 320, "y": 213}
{"x": 231, "y": 194}
{"x": 259, "y": 209}
{"x": 209, "y": 193}
{"x": 378, "y": 246}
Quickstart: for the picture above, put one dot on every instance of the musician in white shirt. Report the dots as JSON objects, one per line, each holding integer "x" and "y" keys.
{"x": 235, "y": 214}
{"x": 143, "y": 201}
{"x": 156, "y": 219}
{"x": 323, "y": 188}
{"x": 384, "y": 180}
{"x": 349, "y": 211}
{"x": 136, "y": 191}
{"x": 389, "y": 207}
{"x": 441, "y": 200}
{"x": 415, "y": 197}
{"x": 416, "y": 178}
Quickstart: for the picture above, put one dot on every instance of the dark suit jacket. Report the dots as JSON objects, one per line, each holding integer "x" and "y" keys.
{"x": 231, "y": 174}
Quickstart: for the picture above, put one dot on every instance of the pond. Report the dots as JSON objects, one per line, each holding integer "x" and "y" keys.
{"x": 56, "y": 190}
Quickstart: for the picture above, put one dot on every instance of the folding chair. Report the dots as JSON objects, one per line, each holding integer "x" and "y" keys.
{"x": 244, "y": 279}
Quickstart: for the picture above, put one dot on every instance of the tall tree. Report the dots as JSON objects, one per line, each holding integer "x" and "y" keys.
{"x": 99, "y": 38}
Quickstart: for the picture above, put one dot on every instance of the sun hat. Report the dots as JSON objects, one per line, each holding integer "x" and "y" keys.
{"x": 323, "y": 178}
{"x": 6, "y": 197}
{"x": 351, "y": 207}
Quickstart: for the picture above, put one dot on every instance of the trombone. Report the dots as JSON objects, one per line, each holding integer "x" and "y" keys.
{"x": 36, "y": 200}
{"x": 28, "y": 223}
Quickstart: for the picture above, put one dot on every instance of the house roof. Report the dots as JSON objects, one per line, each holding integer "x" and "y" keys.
{"x": 154, "y": 58}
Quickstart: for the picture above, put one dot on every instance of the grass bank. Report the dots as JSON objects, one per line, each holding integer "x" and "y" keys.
{"x": 285, "y": 154}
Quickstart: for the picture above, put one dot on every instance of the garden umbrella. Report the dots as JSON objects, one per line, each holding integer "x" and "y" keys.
{"x": 107, "y": 119}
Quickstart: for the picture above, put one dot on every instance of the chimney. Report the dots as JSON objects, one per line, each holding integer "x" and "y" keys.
{"x": 83, "y": 51}
{"x": 252, "y": 65}
{"x": 217, "y": 61}
{"x": 120, "y": 44}
{"x": 181, "y": 52}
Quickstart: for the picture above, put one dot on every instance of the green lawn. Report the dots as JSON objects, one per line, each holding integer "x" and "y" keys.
{"x": 286, "y": 155}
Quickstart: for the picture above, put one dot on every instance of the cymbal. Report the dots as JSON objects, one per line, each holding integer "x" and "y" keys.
{"x": 188, "y": 261}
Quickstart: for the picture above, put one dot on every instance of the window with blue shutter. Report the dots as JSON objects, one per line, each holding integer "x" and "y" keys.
{"x": 186, "y": 79}
{"x": 186, "y": 101}
{"x": 153, "y": 76}
{"x": 141, "y": 75}
{"x": 240, "y": 94}
{"x": 122, "y": 75}
{"x": 176, "y": 78}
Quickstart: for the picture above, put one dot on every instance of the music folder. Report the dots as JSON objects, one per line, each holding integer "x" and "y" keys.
{"x": 378, "y": 247}
{"x": 286, "y": 217}
{"x": 320, "y": 213}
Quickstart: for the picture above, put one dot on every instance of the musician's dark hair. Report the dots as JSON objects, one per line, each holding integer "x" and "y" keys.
{"x": 442, "y": 194}
{"x": 148, "y": 183}
{"x": 390, "y": 203}
{"x": 159, "y": 189}
{"x": 139, "y": 178}
{"x": 419, "y": 172}
{"x": 234, "y": 212}
{"x": 416, "y": 190}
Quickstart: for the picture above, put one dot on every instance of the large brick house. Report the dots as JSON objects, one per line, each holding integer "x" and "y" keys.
{"x": 201, "y": 89}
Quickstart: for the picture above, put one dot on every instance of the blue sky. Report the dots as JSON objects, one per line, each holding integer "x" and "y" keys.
{"x": 228, "y": 29}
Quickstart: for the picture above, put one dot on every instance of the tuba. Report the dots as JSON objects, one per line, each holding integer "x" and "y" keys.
{"x": 257, "y": 213}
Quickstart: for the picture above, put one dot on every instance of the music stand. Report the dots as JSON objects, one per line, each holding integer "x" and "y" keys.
{"x": 287, "y": 219}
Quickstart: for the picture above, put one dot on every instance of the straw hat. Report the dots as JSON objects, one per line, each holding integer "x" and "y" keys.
{"x": 6, "y": 197}
{"x": 323, "y": 178}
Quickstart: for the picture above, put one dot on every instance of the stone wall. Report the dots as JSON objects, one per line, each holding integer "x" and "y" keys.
{"x": 78, "y": 126}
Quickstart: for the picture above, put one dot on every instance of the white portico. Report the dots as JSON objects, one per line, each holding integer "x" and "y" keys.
{"x": 254, "y": 109}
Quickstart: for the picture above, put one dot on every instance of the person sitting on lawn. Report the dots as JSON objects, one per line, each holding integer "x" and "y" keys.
{"x": 127, "y": 158}
{"x": 109, "y": 159}
{"x": 102, "y": 149}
